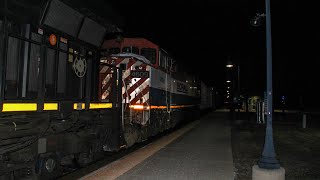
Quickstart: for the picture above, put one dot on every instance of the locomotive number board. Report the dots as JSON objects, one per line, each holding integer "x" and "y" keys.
{"x": 139, "y": 74}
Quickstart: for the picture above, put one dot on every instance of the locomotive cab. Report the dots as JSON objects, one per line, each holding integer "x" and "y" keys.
{"x": 138, "y": 46}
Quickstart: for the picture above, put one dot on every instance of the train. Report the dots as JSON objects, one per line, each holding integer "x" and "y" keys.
{"x": 155, "y": 95}
{"x": 68, "y": 95}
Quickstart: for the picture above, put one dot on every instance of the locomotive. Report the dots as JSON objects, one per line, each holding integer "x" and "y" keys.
{"x": 155, "y": 96}
{"x": 67, "y": 95}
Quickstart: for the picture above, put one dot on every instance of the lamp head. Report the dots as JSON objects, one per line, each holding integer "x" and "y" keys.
{"x": 256, "y": 21}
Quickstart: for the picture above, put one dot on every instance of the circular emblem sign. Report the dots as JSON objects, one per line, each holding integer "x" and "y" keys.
{"x": 53, "y": 39}
{"x": 80, "y": 66}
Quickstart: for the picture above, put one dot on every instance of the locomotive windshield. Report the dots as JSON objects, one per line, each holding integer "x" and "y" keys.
{"x": 114, "y": 50}
{"x": 150, "y": 54}
{"x": 131, "y": 49}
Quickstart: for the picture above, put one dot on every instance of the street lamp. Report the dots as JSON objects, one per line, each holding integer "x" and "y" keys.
{"x": 268, "y": 159}
{"x": 256, "y": 21}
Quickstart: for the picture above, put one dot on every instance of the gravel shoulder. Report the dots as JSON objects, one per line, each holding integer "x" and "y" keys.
{"x": 297, "y": 149}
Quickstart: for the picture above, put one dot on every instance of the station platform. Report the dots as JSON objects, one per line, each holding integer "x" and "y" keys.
{"x": 200, "y": 150}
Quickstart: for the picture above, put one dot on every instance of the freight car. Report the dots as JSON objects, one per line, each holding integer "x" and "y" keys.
{"x": 51, "y": 116}
{"x": 67, "y": 95}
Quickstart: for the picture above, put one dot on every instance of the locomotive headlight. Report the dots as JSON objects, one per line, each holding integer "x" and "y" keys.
{"x": 139, "y": 107}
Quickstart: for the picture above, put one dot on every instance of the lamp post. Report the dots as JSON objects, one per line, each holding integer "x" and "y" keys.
{"x": 268, "y": 165}
{"x": 230, "y": 90}
{"x": 268, "y": 159}
{"x": 231, "y": 66}
{"x": 238, "y": 88}
{"x": 230, "y": 94}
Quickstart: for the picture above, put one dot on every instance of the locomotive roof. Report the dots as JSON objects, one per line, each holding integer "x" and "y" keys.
{"x": 142, "y": 42}
{"x": 138, "y": 57}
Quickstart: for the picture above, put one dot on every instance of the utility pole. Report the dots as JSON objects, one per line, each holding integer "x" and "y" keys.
{"x": 268, "y": 159}
{"x": 268, "y": 166}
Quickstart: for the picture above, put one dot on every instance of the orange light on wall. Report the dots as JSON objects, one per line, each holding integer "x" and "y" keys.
{"x": 53, "y": 39}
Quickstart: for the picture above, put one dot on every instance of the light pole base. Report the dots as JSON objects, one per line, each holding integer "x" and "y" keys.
{"x": 267, "y": 174}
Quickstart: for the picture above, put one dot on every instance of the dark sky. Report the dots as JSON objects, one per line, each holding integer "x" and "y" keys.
{"x": 203, "y": 34}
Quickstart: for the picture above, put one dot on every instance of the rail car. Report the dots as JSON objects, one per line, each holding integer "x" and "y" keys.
{"x": 67, "y": 96}
{"x": 51, "y": 116}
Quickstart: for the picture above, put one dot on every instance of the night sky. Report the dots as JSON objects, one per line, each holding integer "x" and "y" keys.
{"x": 203, "y": 34}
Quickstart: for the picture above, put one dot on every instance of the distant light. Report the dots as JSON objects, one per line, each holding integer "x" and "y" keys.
{"x": 227, "y": 91}
{"x": 229, "y": 65}
{"x": 227, "y": 96}
{"x": 228, "y": 81}
{"x": 228, "y": 87}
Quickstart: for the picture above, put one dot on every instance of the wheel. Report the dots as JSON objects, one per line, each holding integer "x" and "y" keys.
{"x": 48, "y": 167}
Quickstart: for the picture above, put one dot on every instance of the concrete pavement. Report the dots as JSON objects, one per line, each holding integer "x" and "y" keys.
{"x": 200, "y": 150}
